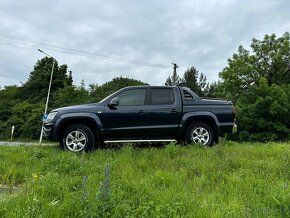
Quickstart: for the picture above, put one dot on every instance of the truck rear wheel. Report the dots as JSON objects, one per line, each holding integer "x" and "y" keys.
{"x": 77, "y": 138}
{"x": 199, "y": 133}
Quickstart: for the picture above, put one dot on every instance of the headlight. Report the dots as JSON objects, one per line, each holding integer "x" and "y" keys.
{"x": 51, "y": 115}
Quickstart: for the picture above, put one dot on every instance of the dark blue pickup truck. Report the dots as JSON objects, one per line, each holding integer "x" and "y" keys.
{"x": 142, "y": 114}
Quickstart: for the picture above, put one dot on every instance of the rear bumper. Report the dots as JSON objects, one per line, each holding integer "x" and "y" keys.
{"x": 227, "y": 128}
{"x": 235, "y": 129}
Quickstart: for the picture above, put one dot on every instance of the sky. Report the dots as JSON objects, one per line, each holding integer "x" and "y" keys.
{"x": 101, "y": 40}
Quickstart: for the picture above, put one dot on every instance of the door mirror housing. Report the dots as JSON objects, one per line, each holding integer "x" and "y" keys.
{"x": 114, "y": 102}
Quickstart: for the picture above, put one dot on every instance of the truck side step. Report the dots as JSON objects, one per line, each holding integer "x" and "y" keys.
{"x": 145, "y": 140}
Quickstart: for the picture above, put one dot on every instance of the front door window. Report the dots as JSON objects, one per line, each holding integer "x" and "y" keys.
{"x": 132, "y": 97}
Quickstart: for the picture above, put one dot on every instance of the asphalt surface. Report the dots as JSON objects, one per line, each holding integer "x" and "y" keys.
{"x": 16, "y": 143}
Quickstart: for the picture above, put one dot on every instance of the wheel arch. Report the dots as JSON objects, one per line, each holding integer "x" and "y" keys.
{"x": 89, "y": 120}
{"x": 205, "y": 117}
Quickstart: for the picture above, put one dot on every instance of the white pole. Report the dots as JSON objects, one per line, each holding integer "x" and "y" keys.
{"x": 12, "y": 132}
{"x": 47, "y": 98}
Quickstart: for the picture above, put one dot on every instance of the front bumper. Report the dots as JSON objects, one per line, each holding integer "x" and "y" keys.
{"x": 48, "y": 130}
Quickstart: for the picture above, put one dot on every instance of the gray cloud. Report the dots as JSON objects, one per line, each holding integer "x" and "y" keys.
{"x": 203, "y": 34}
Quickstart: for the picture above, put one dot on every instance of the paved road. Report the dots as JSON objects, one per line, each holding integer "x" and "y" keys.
{"x": 3, "y": 143}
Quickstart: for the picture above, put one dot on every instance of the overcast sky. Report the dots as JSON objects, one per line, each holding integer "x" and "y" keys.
{"x": 100, "y": 40}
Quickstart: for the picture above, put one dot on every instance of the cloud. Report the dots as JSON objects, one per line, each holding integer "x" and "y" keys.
{"x": 203, "y": 34}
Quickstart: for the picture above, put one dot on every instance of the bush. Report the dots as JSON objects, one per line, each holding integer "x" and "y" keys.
{"x": 263, "y": 113}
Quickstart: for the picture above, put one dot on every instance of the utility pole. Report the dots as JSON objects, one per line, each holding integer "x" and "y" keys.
{"x": 175, "y": 78}
{"x": 175, "y": 66}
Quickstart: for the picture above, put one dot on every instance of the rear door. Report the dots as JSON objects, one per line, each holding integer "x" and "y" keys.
{"x": 164, "y": 111}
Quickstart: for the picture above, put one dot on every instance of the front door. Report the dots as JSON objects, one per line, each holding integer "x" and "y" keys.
{"x": 127, "y": 119}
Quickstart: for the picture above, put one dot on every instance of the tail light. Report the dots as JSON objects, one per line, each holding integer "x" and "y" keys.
{"x": 234, "y": 114}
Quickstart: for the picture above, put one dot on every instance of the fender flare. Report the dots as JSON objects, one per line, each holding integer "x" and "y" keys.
{"x": 77, "y": 116}
{"x": 199, "y": 115}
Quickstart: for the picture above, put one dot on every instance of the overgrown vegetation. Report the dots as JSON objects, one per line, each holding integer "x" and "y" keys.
{"x": 258, "y": 82}
{"x": 23, "y": 106}
{"x": 229, "y": 180}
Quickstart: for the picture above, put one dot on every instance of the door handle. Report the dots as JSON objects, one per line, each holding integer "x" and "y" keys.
{"x": 173, "y": 111}
{"x": 141, "y": 112}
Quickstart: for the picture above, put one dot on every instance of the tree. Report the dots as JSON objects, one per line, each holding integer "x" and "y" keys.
{"x": 26, "y": 117}
{"x": 197, "y": 82}
{"x": 23, "y": 106}
{"x": 174, "y": 79}
{"x": 210, "y": 90}
{"x": 35, "y": 89}
{"x": 9, "y": 96}
{"x": 270, "y": 58}
{"x": 263, "y": 113}
{"x": 70, "y": 95}
{"x": 257, "y": 82}
{"x": 190, "y": 80}
{"x": 97, "y": 93}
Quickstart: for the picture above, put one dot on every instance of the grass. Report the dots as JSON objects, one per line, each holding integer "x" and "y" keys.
{"x": 229, "y": 180}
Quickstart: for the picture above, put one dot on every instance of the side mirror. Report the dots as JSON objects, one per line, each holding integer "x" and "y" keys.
{"x": 114, "y": 102}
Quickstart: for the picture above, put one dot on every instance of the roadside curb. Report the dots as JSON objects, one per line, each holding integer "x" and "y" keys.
{"x": 16, "y": 143}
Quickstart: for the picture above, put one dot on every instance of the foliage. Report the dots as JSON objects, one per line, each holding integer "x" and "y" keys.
{"x": 270, "y": 59}
{"x": 262, "y": 104}
{"x": 264, "y": 112}
{"x": 211, "y": 90}
{"x": 236, "y": 180}
{"x": 70, "y": 95}
{"x": 197, "y": 82}
{"x": 97, "y": 93}
{"x": 190, "y": 80}
{"x": 9, "y": 97}
{"x": 26, "y": 118}
{"x": 194, "y": 80}
{"x": 23, "y": 106}
{"x": 39, "y": 79}
{"x": 257, "y": 82}
{"x": 174, "y": 79}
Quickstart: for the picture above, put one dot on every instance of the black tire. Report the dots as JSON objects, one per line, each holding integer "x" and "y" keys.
{"x": 199, "y": 133}
{"x": 77, "y": 138}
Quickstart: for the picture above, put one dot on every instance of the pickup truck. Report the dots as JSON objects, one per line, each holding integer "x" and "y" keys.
{"x": 142, "y": 114}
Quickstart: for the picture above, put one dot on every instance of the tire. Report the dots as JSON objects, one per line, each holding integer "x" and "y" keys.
{"x": 77, "y": 138}
{"x": 199, "y": 133}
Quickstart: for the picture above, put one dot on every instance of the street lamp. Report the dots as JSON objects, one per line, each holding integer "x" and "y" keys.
{"x": 48, "y": 93}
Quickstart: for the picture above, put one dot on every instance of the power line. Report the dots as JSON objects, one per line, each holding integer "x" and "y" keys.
{"x": 37, "y": 44}
{"x": 124, "y": 68}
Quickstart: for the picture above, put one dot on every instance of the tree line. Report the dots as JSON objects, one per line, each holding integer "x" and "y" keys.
{"x": 23, "y": 106}
{"x": 256, "y": 80}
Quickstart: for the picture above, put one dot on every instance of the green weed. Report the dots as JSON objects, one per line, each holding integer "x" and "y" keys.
{"x": 232, "y": 180}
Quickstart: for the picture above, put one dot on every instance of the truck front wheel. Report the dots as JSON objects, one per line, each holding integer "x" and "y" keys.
{"x": 199, "y": 133}
{"x": 77, "y": 138}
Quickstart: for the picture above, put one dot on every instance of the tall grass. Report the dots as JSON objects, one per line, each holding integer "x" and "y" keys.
{"x": 230, "y": 180}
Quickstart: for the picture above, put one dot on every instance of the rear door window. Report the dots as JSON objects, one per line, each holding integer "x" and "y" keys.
{"x": 162, "y": 96}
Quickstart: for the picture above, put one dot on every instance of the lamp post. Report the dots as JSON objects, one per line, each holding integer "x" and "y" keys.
{"x": 48, "y": 93}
